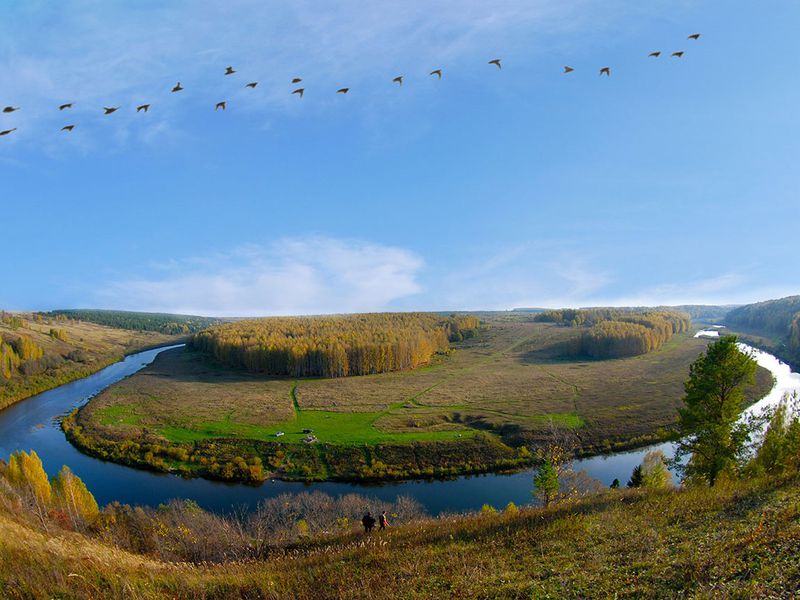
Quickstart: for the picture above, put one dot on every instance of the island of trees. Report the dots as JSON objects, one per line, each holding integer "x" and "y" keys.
{"x": 333, "y": 346}
{"x": 615, "y": 333}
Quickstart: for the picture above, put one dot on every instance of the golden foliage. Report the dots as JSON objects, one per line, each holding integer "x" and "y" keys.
{"x": 332, "y": 346}
{"x": 616, "y": 333}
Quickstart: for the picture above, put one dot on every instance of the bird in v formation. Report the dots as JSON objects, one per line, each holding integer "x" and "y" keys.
{"x": 301, "y": 91}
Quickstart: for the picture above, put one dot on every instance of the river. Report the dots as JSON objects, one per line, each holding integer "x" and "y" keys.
{"x": 32, "y": 425}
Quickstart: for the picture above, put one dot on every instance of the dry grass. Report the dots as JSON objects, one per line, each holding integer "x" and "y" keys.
{"x": 739, "y": 540}
{"x": 182, "y": 388}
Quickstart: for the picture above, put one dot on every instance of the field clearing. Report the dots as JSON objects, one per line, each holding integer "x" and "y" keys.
{"x": 509, "y": 381}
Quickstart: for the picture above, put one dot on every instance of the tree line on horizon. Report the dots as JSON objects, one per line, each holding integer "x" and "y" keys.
{"x": 615, "y": 333}
{"x": 139, "y": 321}
{"x": 333, "y": 346}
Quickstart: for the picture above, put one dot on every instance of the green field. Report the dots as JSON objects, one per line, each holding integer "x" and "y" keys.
{"x": 501, "y": 389}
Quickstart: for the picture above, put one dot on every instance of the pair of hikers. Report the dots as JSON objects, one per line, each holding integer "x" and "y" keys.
{"x": 369, "y": 521}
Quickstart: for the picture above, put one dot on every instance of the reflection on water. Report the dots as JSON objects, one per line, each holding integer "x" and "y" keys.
{"x": 707, "y": 333}
{"x": 31, "y": 424}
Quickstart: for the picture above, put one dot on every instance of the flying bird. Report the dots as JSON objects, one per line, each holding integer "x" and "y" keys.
{"x": 568, "y": 69}
{"x": 605, "y": 71}
{"x": 108, "y": 111}
{"x": 496, "y": 61}
{"x": 10, "y": 109}
{"x": 437, "y": 72}
{"x": 299, "y": 91}
{"x": 68, "y": 128}
{"x": 694, "y": 36}
{"x": 63, "y": 106}
{"x": 220, "y": 105}
{"x": 252, "y": 85}
{"x": 178, "y": 87}
{"x": 655, "y": 54}
{"x": 7, "y": 131}
{"x": 678, "y": 54}
{"x": 143, "y": 108}
{"x": 297, "y": 80}
{"x": 229, "y": 71}
{"x": 398, "y": 80}
{"x": 342, "y": 90}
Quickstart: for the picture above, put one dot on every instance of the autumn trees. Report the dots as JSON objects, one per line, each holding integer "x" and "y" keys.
{"x": 615, "y": 333}
{"x": 333, "y": 346}
{"x": 65, "y": 494}
{"x": 15, "y": 352}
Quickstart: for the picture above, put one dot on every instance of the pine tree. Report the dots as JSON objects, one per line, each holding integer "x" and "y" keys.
{"x": 636, "y": 477}
{"x": 708, "y": 422}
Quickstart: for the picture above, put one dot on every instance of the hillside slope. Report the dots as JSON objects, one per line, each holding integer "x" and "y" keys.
{"x": 38, "y": 352}
{"x": 777, "y": 322}
{"x": 737, "y": 540}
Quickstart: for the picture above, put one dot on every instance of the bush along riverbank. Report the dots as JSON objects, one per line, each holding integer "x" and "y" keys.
{"x": 254, "y": 461}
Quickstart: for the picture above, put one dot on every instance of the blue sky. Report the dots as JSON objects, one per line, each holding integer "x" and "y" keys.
{"x": 672, "y": 181}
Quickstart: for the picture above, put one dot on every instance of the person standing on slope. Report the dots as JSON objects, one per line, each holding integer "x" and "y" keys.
{"x": 368, "y": 522}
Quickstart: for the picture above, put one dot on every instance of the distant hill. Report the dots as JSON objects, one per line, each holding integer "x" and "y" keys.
{"x": 141, "y": 321}
{"x": 704, "y": 312}
{"x": 776, "y": 319}
{"x": 710, "y": 313}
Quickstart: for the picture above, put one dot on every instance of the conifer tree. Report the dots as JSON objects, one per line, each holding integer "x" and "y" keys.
{"x": 712, "y": 435}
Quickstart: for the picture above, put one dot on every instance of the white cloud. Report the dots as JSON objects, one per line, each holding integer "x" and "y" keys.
{"x": 524, "y": 275}
{"x": 725, "y": 288}
{"x": 309, "y": 275}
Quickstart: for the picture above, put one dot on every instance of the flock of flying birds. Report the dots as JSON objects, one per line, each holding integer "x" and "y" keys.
{"x": 299, "y": 91}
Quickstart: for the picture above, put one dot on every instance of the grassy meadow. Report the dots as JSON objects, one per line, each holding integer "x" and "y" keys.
{"x": 77, "y": 350}
{"x": 492, "y": 396}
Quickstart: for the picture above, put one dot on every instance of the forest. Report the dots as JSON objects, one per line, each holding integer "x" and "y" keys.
{"x": 140, "y": 321}
{"x": 333, "y": 346}
{"x": 615, "y": 333}
{"x": 774, "y": 318}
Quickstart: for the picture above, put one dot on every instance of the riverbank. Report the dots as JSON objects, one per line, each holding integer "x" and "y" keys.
{"x": 58, "y": 351}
